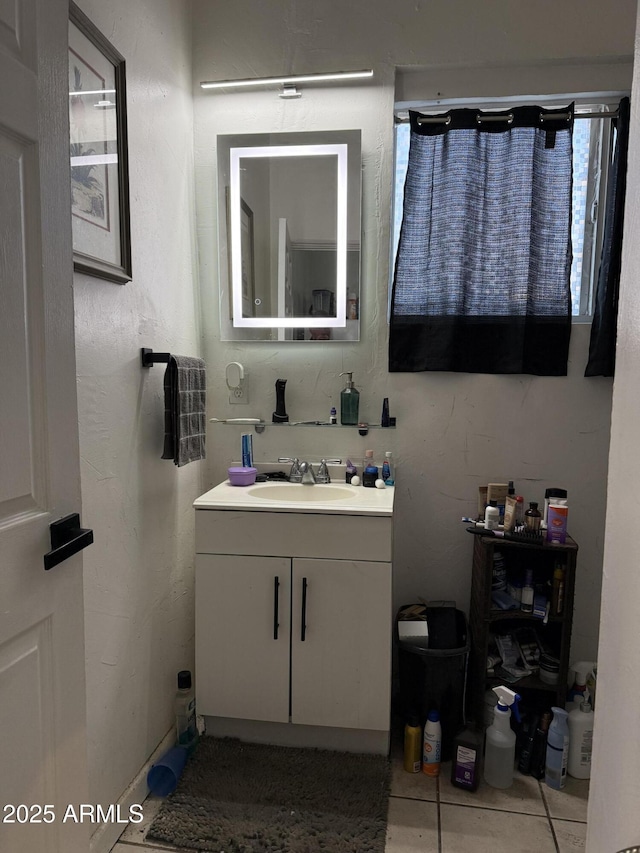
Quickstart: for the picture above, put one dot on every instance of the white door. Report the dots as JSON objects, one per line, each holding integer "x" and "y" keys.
{"x": 242, "y": 636}
{"x": 42, "y": 688}
{"x": 341, "y": 644}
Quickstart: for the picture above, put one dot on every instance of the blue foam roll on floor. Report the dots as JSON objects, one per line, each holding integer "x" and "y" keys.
{"x": 163, "y": 777}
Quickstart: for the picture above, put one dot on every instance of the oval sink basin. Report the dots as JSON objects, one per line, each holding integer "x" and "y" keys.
{"x": 296, "y": 492}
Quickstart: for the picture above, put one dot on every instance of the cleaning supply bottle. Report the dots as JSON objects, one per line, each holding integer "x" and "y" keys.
{"x": 349, "y": 402}
{"x": 500, "y": 749}
{"x": 413, "y": 744}
{"x": 580, "y": 740}
{"x": 555, "y": 771}
{"x": 432, "y": 745}
{"x": 185, "y": 711}
{"x": 467, "y": 757}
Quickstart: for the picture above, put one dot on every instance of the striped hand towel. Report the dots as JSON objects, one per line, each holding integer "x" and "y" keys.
{"x": 185, "y": 384}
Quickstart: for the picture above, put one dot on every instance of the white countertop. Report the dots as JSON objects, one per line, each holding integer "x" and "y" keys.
{"x": 358, "y": 500}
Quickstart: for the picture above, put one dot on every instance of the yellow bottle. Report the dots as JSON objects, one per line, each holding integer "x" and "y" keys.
{"x": 413, "y": 745}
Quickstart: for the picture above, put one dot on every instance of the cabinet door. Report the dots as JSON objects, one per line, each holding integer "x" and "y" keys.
{"x": 341, "y": 644}
{"x": 242, "y": 636}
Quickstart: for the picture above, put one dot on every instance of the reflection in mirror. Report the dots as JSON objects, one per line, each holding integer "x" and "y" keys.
{"x": 289, "y": 236}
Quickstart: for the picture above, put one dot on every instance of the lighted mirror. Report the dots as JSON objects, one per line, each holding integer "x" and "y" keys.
{"x": 289, "y": 236}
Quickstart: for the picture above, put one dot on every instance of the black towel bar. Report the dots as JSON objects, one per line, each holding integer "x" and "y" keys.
{"x": 149, "y": 357}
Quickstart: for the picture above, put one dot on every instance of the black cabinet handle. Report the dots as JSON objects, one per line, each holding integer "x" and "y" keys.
{"x": 303, "y": 628}
{"x": 67, "y": 538}
{"x": 276, "y": 624}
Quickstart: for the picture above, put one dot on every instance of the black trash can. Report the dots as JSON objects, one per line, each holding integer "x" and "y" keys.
{"x": 434, "y": 676}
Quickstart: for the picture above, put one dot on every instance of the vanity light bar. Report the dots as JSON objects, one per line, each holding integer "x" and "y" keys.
{"x": 293, "y": 78}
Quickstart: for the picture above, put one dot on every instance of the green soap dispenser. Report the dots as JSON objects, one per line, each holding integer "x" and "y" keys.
{"x": 349, "y": 402}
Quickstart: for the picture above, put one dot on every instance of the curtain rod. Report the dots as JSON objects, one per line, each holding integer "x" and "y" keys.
{"x": 509, "y": 118}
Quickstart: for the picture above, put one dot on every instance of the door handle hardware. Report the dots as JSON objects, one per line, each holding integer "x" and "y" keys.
{"x": 67, "y": 538}
{"x": 303, "y": 627}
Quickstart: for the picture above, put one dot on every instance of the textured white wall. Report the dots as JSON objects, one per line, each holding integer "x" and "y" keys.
{"x": 455, "y": 431}
{"x": 139, "y": 572}
{"x": 613, "y": 820}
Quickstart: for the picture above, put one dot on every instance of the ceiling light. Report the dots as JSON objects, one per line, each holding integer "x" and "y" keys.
{"x": 285, "y": 80}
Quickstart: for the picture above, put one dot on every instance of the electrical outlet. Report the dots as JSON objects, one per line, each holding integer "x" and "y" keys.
{"x": 239, "y": 396}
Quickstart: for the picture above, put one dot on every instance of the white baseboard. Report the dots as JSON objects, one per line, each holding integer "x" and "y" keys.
{"x": 107, "y": 834}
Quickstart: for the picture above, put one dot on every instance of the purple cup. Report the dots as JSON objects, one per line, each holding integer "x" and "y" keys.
{"x": 242, "y": 476}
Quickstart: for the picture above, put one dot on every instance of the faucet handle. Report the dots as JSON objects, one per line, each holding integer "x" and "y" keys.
{"x": 295, "y": 474}
{"x": 323, "y": 473}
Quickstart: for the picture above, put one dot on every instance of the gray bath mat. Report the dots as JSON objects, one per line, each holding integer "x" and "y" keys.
{"x": 252, "y": 798}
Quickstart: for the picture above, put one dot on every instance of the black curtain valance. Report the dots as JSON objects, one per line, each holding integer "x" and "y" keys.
{"x": 491, "y": 122}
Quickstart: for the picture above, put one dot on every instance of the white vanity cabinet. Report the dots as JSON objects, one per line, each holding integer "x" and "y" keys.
{"x": 294, "y": 623}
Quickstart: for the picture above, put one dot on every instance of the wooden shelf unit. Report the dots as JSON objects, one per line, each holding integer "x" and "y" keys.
{"x": 484, "y": 619}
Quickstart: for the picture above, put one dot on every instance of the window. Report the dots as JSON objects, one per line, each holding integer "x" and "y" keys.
{"x": 591, "y": 155}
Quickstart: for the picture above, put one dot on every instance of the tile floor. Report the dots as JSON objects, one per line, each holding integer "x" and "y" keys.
{"x": 432, "y": 816}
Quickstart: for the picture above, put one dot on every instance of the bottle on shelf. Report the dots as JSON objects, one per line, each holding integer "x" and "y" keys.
{"x": 333, "y": 415}
{"x": 492, "y": 516}
{"x": 555, "y": 771}
{"x": 532, "y": 517}
{"x": 413, "y": 744}
{"x": 500, "y": 748}
{"x": 557, "y": 590}
{"x": 432, "y": 745}
{"x": 185, "y": 711}
{"x": 526, "y": 601}
{"x": 349, "y": 401}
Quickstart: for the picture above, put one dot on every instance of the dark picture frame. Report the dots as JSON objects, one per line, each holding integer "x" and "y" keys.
{"x": 98, "y": 152}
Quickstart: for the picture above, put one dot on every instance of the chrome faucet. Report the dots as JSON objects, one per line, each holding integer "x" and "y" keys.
{"x": 323, "y": 473}
{"x": 295, "y": 474}
{"x": 308, "y": 474}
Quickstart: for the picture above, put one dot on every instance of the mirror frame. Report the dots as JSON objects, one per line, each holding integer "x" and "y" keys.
{"x": 340, "y": 151}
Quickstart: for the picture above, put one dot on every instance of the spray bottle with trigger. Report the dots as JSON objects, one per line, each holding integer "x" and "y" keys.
{"x": 500, "y": 750}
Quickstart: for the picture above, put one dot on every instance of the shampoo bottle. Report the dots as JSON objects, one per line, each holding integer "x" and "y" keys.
{"x": 185, "y": 711}
{"x": 555, "y": 771}
{"x": 500, "y": 749}
{"x": 349, "y": 402}
{"x": 432, "y": 745}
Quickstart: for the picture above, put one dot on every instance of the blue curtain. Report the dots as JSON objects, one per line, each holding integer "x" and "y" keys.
{"x": 482, "y": 272}
{"x": 602, "y": 346}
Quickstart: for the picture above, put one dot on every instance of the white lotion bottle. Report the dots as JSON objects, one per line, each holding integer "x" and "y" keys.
{"x": 492, "y": 516}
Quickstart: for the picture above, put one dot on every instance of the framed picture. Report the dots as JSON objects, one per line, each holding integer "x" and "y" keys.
{"x": 98, "y": 149}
